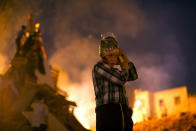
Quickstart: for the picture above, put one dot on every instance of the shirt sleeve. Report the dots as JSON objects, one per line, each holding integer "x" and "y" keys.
{"x": 124, "y": 75}
{"x": 107, "y": 75}
{"x": 132, "y": 73}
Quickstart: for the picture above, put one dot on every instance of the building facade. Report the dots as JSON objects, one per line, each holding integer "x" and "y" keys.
{"x": 158, "y": 104}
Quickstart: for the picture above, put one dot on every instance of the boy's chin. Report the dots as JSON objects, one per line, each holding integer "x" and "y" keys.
{"x": 114, "y": 63}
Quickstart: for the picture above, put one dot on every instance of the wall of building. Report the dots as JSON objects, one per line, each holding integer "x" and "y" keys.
{"x": 171, "y": 101}
{"x": 142, "y": 106}
{"x": 192, "y": 103}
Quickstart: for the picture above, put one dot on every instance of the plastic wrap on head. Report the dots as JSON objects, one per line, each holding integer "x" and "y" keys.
{"x": 108, "y": 42}
{"x": 108, "y": 34}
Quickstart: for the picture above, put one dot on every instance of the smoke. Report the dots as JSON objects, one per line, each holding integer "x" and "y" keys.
{"x": 74, "y": 29}
{"x": 76, "y": 57}
{"x": 158, "y": 57}
{"x": 77, "y": 27}
{"x": 149, "y": 44}
{"x": 13, "y": 14}
{"x": 158, "y": 71}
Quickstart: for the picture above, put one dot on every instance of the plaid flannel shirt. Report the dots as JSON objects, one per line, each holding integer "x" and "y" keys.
{"x": 109, "y": 83}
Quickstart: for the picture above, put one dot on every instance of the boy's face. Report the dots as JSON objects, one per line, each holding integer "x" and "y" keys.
{"x": 111, "y": 58}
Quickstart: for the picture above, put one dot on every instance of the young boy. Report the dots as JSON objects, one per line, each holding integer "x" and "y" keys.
{"x": 112, "y": 111}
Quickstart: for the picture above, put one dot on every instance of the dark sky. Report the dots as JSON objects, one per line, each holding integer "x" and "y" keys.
{"x": 168, "y": 20}
{"x": 178, "y": 17}
{"x": 175, "y": 19}
{"x": 158, "y": 35}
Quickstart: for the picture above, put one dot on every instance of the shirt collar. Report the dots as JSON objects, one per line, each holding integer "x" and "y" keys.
{"x": 107, "y": 66}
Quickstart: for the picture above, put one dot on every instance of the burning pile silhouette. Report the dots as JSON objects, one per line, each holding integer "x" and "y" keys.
{"x": 29, "y": 74}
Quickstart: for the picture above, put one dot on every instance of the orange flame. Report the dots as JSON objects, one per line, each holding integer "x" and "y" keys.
{"x": 138, "y": 111}
{"x": 81, "y": 93}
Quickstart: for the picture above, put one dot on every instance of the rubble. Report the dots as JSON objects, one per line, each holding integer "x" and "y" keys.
{"x": 179, "y": 122}
{"x": 22, "y": 81}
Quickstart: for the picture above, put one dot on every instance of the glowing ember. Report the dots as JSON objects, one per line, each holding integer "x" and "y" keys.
{"x": 37, "y": 25}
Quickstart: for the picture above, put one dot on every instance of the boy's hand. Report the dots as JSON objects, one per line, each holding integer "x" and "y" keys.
{"x": 125, "y": 61}
{"x": 124, "y": 56}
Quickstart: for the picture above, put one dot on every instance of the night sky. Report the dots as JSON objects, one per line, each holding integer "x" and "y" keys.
{"x": 178, "y": 18}
{"x": 158, "y": 35}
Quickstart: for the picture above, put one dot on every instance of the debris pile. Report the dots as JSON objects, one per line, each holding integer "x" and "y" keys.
{"x": 178, "y": 122}
{"x": 29, "y": 74}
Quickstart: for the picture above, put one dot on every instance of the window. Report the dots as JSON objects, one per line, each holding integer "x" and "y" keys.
{"x": 177, "y": 100}
{"x": 161, "y": 102}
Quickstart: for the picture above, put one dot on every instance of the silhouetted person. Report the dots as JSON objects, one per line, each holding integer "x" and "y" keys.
{"x": 33, "y": 50}
{"x": 20, "y": 40}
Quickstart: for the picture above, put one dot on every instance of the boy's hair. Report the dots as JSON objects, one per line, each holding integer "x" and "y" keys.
{"x": 107, "y": 43}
